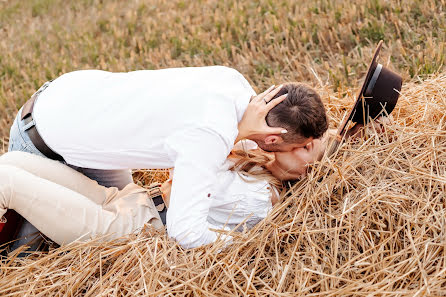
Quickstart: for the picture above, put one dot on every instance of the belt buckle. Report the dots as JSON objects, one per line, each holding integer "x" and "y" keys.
{"x": 160, "y": 207}
{"x": 154, "y": 191}
{"x": 30, "y": 124}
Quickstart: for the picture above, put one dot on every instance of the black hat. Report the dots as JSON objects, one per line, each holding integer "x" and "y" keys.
{"x": 378, "y": 96}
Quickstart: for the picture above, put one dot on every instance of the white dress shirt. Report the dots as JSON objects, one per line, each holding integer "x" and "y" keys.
{"x": 239, "y": 199}
{"x": 180, "y": 117}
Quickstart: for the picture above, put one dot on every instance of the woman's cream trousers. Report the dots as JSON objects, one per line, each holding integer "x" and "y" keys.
{"x": 65, "y": 205}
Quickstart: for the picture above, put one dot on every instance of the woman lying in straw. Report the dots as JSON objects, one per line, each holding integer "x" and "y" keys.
{"x": 67, "y": 206}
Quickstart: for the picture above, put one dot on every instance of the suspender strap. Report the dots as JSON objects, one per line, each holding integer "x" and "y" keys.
{"x": 154, "y": 191}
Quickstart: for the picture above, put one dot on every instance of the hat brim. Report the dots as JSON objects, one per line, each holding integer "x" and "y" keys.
{"x": 358, "y": 101}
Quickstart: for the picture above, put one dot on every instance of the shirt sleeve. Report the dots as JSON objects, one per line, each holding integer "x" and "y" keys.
{"x": 199, "y": 154}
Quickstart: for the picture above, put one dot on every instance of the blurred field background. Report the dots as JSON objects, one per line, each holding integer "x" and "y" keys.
{"x": 322, "y": 245}
{"x": 318, "y": 41}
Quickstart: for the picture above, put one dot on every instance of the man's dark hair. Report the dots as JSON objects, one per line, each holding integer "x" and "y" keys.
{"x": 302, "y": 113}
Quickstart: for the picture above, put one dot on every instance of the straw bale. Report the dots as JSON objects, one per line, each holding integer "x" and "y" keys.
{"x": 369, "y": 220}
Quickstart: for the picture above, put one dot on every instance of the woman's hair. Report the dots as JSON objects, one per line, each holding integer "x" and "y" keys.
{"x": 253, "y": 163}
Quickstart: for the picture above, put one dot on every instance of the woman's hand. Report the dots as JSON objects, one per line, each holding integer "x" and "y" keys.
{"x": 166, "y": 188}
{"x": 253, "y": 121}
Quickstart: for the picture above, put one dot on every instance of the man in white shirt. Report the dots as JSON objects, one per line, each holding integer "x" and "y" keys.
{"x": 103, "y": 124}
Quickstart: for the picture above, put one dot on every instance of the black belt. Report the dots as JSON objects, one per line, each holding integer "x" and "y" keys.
{"x": 32, "y": 132}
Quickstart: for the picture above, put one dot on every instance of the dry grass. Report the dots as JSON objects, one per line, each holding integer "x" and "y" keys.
{"x": 368, "y": 221}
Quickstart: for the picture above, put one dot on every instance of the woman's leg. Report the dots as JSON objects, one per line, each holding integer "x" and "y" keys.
{"x": 22, "y": 153}
{"x": 27, "y": 233}
{"x": 65, "y": 215}
{"x": 58, "y": 173}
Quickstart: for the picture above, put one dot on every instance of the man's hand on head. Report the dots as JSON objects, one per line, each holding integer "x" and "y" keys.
{"x": 253, "y": 121}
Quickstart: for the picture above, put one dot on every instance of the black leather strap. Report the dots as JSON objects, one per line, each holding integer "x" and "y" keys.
{"x": 38, "y": 141}
{"x": 31, "y": 130}
{"x": 157, "y": 201}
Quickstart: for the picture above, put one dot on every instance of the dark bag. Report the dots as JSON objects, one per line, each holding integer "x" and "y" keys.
{"x": 10, "y": 228}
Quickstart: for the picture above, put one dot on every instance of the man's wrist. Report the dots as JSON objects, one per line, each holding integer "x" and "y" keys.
{"x": 241, "y": 135}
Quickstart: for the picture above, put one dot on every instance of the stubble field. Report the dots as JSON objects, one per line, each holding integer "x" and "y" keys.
{"x": 370, "y": 220}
